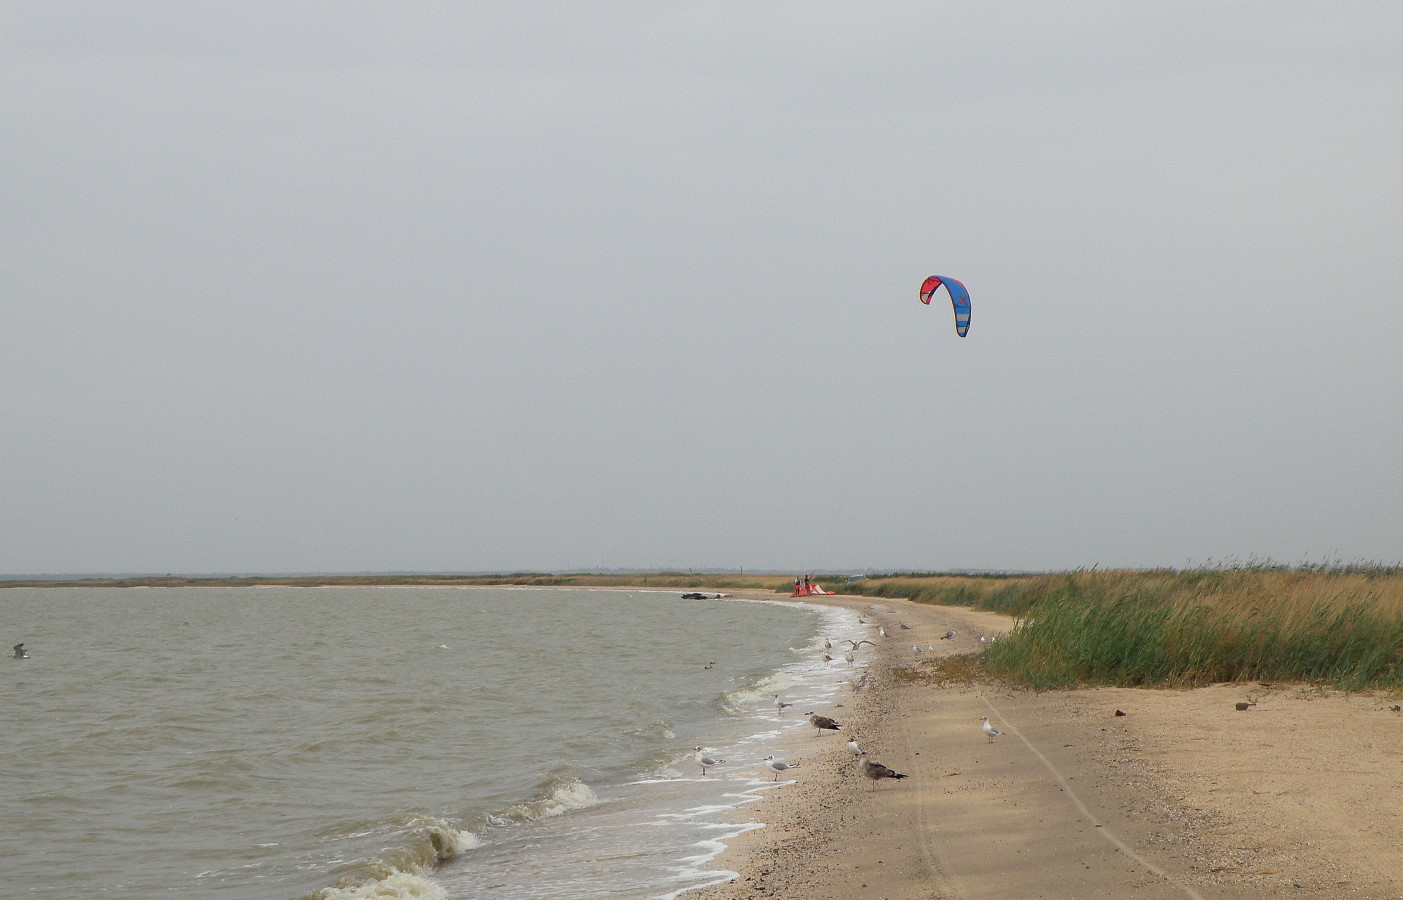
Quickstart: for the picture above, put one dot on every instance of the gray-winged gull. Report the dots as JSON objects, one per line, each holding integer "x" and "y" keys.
{"x": 779, "y": 766}
{"x": 705, "y": 761}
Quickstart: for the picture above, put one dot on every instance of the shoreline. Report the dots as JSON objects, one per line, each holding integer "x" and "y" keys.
{"x": 1182, "y": 796}
{"x": 807, "y": 825}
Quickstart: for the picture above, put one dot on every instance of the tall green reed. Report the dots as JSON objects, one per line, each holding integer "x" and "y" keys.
{"x": 1335, "y": 625}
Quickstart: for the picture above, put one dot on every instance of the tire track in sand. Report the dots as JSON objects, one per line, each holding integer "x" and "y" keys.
{"x": 1100, "y": 826}
{"x": 934, "y": 860}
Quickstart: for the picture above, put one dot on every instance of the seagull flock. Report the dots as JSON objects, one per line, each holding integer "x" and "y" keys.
{"x": 868, "y": 768}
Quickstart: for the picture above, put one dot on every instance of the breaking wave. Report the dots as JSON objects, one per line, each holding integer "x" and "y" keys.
{"x": 559, "y": 793}
{"x": 403, "y": 871}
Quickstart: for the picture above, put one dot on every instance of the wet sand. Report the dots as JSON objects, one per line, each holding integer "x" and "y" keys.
{"x": 1183, "y": 796}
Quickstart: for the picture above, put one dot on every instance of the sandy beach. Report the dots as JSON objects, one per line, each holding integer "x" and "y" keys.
{"x": 1141, "y": 793}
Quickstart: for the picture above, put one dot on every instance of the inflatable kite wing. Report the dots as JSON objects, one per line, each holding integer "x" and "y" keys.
{"x": 959, "y": 298}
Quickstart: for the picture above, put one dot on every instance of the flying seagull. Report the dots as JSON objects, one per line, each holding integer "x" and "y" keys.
{"x": 20, "y": 652}
{"x": 876, "y": 771}
{"x": 779, "y": 766}
{"x": 706, "y": 761}
{"x": 989, "y": 729}
{"x": 822, "y": 723}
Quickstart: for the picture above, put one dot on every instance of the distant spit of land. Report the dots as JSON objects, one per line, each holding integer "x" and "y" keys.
{"x": 712, "y": 582}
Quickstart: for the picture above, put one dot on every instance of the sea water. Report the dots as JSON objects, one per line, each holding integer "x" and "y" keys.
{"x": 338, "y": 743}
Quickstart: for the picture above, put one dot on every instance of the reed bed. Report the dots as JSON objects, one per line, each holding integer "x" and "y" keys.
{"x": 983, "y": 591}
{"x": 1340, "y": 627}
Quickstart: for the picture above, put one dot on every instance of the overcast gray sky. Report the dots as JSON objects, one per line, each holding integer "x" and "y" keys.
{"x": 354, "y": 286}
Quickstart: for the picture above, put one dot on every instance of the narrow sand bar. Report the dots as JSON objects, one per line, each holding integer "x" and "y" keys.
{"x": 1183, "y": 796}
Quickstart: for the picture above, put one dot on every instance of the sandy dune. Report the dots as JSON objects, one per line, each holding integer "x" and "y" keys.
{"x": 1183, "y": 796}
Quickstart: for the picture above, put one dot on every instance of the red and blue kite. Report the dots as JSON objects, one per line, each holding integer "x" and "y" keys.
{"x": 959, "y": 297}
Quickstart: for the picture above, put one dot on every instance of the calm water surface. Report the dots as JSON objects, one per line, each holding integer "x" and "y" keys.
{"x": 339, "y": 743}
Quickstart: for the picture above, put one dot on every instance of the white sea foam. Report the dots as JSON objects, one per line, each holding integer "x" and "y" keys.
{"x": 397, "y": 886}
{"x": 694, "y": 871}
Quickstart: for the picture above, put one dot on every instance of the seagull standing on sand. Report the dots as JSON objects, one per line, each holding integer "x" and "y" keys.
{"x": 779, "y": 766}
{"x": 948, "y": 636}
{"x": 20, "y": 652}
{"x": 989, "y": 729}
{"x": 853, "y": 748}
{"x": 706, "y": 761}
{"x": 876, "y": 771}
{"x": 780, "y": 704}
{"x": 822, "y": 723}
